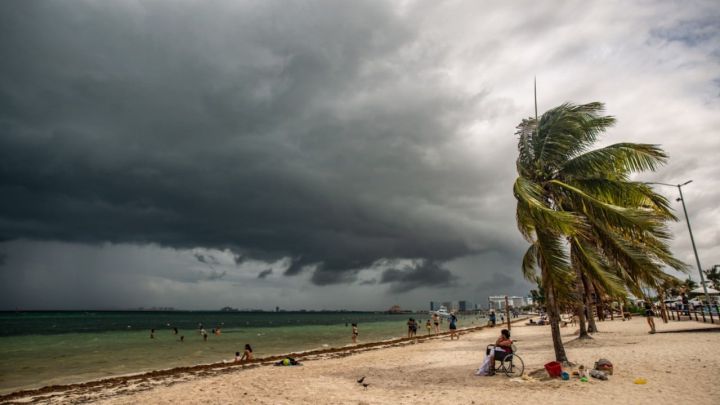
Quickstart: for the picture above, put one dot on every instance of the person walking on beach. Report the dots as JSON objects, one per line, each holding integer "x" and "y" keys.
{"x": 436, "y": 322}
{"x": 492, "y": 318}
{"x": 650, "y": 315}
{"x": 453, "y": 326}
{"x": 354, "y": 333}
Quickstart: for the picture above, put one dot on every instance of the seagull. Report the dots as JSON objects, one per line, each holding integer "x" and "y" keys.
{"x": 360, "y": 381}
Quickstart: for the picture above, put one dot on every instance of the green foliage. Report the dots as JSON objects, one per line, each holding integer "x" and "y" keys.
{"x": 713, "y": 275}
{"x": 580, "y": 212}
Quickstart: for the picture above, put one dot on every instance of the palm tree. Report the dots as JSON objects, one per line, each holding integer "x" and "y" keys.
{"x": 713, "y": 275}
{"x": 586, "y": 222}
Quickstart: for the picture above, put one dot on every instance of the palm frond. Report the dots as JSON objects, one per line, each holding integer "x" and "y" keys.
{"x": 619, "y": 159}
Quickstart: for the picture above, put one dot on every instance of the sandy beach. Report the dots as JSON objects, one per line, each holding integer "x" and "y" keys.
{"x": 679, "y": 365}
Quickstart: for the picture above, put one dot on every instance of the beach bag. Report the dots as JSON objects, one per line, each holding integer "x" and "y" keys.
{"x": 604, "y": 365}
{"x": 485, "y": 367}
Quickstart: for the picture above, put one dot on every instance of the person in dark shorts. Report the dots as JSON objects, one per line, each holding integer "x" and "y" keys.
{"x": 650, "y": 316}
{"x": 436, "y": 322}
{"x": 354, "y": 333}
{"x": 453, "y": 326}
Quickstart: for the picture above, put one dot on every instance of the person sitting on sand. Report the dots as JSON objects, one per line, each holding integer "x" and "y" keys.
{"x": 354, "y": 333}
{"x": 237, "y": 357}
{"x": 502, "y": 347}
{"x": 247, "y": 354}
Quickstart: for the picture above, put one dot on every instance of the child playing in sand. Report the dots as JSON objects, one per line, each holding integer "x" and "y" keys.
{"x": 428, "y": 326}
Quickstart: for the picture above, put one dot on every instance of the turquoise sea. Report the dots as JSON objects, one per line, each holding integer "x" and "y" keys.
{"x": 46, "y": 348}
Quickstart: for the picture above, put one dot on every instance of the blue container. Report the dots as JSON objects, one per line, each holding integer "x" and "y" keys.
{"x": 565, "y": 376}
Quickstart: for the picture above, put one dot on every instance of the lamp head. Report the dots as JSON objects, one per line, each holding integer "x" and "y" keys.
{"x": 686, "y": 183}
{"x": 679, "y": 199}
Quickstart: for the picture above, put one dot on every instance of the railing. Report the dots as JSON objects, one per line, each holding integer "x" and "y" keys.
{"x": 705, "y": 313}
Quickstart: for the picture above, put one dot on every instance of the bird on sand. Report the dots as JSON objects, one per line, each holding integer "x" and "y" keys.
{"x": 360, "y": 381}
{"x": 365, "y": 385}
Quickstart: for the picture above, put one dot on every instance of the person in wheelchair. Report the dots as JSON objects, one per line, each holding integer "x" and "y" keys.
{"x": 502, "y": 347}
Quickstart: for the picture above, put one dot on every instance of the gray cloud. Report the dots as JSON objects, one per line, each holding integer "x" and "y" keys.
{"x": 298, "y": 140}
{"x": 263, "y": 274}
{"x": 215, "y": 275}
{"x": 421, "y": 274}
{"x": 322, "y": 139}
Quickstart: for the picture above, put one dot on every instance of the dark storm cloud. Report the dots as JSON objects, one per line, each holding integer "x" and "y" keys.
{"x": 3, "y": 259}
{"x": 267, "y": 128}
{"x": 263, "y": 274}
{"x": 422, "y": 274}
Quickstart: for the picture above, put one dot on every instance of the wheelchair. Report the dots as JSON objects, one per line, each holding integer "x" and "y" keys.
{"x": 512, "y": 364}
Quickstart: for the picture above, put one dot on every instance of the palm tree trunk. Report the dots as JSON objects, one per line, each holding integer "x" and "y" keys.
{"x": 592, "y": 327}
{"x": 580, "y": 308}
{"x": 599, "y": 305}
{"x": 554, "y": 318}
{"x": 663, "y": 308}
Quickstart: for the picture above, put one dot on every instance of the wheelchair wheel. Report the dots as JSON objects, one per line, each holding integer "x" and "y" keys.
{"x": 513, "y": 366}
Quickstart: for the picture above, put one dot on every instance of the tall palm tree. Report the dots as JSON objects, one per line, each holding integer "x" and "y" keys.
{"x": 584, "y": 219}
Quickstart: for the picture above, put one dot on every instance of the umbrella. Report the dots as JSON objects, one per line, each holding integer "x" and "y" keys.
{"x": 710, "y": 291}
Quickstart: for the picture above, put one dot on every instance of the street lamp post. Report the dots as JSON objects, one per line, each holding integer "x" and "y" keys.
{"x": 692, "y": 239}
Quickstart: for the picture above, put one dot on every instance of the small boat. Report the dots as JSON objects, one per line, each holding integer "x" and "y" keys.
{"x": 442, "y": 311}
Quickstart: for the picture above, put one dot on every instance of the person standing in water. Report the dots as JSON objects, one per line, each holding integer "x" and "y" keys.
{"x": 436, "y": 322}
{"x": 152, "y": 333}
{"x": 354, "y": 333}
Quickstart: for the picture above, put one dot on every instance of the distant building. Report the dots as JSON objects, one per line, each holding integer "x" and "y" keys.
{"x": 462, "y": 306}
{"x": 432, "y": 305}
{"x": 497, "y": 302}
{"x": 395, "y": 309}
{"x": 277, "y": 309}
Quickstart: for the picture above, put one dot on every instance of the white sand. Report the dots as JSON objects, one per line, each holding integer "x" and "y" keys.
{"x": 679, "y": 367}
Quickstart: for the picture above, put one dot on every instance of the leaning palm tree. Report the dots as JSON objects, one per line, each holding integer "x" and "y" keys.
{"x": 586, "y": 222}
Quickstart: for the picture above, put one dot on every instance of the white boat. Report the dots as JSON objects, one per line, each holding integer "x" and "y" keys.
{"x": 442, "y": 311}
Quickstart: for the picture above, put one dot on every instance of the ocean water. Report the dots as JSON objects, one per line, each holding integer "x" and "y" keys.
{"x": 46, "y": 348}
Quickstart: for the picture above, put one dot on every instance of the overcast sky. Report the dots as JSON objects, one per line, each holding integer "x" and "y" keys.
{"x": 319, "y": 154}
